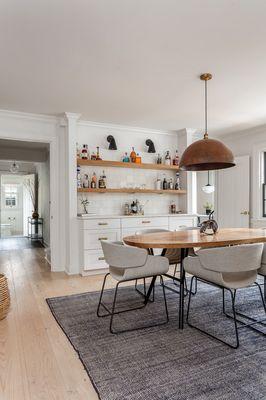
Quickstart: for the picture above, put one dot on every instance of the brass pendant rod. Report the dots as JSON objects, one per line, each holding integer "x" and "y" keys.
{"x": 206, "y": 111}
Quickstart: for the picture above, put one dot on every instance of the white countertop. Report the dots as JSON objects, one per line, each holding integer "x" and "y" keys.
{"x": 93, "y": 216}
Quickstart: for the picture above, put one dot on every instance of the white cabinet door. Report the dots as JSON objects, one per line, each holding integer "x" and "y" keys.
{"x": 176, "y": 223}
{"x": 92, "y": 239}
{"x": 233, "y": 195}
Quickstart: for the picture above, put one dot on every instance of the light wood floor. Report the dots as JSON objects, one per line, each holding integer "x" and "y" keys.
{"x": 36, "y": 359}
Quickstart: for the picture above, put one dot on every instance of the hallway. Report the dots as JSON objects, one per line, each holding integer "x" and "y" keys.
{"x": 18, "y": 243}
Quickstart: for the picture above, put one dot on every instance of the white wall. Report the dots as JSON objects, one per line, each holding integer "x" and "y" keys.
{"x": 43, "y": 171}
{"x": 95, "y": 134}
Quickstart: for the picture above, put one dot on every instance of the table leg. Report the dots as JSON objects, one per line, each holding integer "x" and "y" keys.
{"x": 184, "y": 253}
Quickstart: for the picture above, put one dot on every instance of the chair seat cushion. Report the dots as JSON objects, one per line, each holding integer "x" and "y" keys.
{"x": 155, "y": 265}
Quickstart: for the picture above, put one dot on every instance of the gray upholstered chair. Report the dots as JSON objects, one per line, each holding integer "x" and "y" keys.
{"x": 173, "y": 255}
{"x": 229, "y": 268}
{"x": 126, "y": 264}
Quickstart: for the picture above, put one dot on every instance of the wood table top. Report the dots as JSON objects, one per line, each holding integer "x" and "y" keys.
{"x": 193, "y": 238}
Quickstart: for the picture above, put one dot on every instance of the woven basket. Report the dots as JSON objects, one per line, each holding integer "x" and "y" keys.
{"x": 4, "y": 297}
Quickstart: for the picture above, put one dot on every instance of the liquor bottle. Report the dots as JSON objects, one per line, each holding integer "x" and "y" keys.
{"x": 176, "y": 159}
{"x": 98, "y": 153}
{"x": 94, "y": 181}
{"x": 165, "y": 184}
{"x": 171, "y": 184}
{"x": 93, "y": 156}
{"x": 167, "y": 159}
{"x": 177, "y": 184}
{"x": 133, "y": 155}
{"x": 102, "y": 181}
{"x": 138, "y": 159}
{"x": 78, "y": 150}
{"x": 86, "y": 183}
{"x": 133, "y": 207}
{"x": 172, "y": 208}
{"x": 126, "y": 158}
{"x": 159, "y": 159}
{"x": 84, "y": 152}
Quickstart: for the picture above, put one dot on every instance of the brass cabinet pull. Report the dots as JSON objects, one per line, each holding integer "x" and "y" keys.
{"x": 244, "y": 213}
{"x": 146, "y": 222}
{"x": 102, "y": 223}
{"x": 101, "y": 258}
{"x": 103, "y": 238}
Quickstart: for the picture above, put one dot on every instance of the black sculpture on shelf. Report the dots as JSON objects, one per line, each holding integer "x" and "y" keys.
{"x": 150, "y": 144}
{"x": 111, "y": 140}
{"x": 209, "y": 227}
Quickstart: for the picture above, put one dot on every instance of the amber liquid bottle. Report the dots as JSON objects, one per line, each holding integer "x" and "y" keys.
{"x": 133, "y": 155}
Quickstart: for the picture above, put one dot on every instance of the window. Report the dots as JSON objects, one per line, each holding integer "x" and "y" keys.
{"x": 10, "y": 196}
{"x": 264, "y": 186}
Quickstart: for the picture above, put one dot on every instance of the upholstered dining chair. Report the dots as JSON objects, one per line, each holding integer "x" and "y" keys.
{"x": 228, "y": 268}
{"x": 126, "y": 264}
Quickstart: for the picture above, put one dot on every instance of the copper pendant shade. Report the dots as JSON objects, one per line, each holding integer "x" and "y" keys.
{"x": 206, "y": 154}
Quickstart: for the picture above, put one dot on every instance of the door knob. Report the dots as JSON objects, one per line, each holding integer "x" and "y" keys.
{"x": 244, "y": 213}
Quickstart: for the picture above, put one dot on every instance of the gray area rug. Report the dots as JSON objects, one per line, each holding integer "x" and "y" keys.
{"x": 164, "y": 362}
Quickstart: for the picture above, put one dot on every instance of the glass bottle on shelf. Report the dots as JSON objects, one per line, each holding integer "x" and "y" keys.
{"x": 172, "y": 208}
{"x": 165, "y": 184}
{"x": 171, "y": 184}
{"x": 94, "y": 181}
{"x": 126, "y": 158}
{"x": 127, "y": 209}
{"x": 159, "y": 159}
{"x": 102, "y": 181}
{"x": 138, "y": 159}
{"x": 93, "y": 156}
{"x": 86, "y": 183}
{"x": 177, "y": 183}
{"x": 98, "y": 153}
{"x": 84, "y": 152}
{"x": 176, "y": 159}
{"x": 133, "y": 155}
{"x": 78, "y": 150}
{"x": 167, "y": 159}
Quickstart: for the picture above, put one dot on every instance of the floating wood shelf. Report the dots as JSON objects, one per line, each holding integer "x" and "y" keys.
{"x": 120, "y": 164}
{"x": 125, "y": 190}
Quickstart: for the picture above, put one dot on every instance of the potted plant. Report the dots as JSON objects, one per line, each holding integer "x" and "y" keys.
{"x": 32, "y": 187}
{"x": 208, "y": 207}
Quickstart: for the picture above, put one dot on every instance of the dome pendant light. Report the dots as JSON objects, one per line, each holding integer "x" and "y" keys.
{"x": 206, "y": 154}
{"x": 208, "y": 189}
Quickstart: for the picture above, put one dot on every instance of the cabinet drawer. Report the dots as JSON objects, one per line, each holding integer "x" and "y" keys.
{"x": 144, "y": 222}
{"x": 179, "y": 223}
{"x": 93, "y": 259}
{"x": 102, "y": 223}
{"x": 92, "y": 239}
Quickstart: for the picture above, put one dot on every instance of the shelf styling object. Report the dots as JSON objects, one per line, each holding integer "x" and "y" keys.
{"x": 151, "y": 147}
{"x": 112, "y": 143}
{"x": 4, "y": 297}
{"x": 206, "y": 154}
{"x": 209, "y": 227}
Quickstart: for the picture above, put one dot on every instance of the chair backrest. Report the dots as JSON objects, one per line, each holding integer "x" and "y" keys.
{"x": 239, "y": 258}
{"x": 118, "y": 255}
{"x": 151, "y": 230}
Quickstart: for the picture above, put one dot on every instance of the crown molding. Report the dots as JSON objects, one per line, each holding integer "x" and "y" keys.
{"x": 29, "y": 116}
{"x": 136, "y": 129}
{"x": 245, "y": 132}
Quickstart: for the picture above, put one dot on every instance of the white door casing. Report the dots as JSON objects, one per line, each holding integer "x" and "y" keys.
{"x": 233, "y": 195}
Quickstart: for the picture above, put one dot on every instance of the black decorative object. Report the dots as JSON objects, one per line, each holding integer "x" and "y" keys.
{"x": 209, "y": 227}
{"x": 150, "y": 144}
{"x": 111, "y": 140}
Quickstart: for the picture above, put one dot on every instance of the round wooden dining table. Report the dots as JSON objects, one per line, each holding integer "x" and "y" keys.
{"x": 187, "y": 239}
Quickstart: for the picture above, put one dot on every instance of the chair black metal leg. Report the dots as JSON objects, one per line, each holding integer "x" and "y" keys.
{"x": 254, "y": 320}
{"x": 101, "y": 295}
{"x": 165, "y": 302}
{"x": 113, "y": 313}
{"x": 234, "y": 346}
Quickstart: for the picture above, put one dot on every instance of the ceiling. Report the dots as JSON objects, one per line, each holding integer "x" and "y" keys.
{"x": 136, "y": 62}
